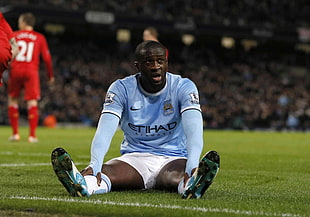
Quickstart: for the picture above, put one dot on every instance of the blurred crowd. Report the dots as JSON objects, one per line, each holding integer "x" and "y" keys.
{"x": 263, "y": 13}
{"x": 250, "y": 89}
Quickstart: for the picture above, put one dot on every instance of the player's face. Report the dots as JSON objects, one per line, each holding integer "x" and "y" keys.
{"x": 153, "y": 67}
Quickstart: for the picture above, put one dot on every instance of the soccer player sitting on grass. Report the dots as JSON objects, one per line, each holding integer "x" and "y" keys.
{"x": 159, "y": 113}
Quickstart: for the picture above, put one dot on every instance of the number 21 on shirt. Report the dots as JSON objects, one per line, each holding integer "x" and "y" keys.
{"x": 25, "y": 52}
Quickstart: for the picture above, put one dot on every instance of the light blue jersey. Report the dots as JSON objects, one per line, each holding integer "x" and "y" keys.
{"x": 152, "y": 122}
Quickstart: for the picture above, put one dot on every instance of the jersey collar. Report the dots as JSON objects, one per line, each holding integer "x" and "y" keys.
{"x": 148, "y": 93}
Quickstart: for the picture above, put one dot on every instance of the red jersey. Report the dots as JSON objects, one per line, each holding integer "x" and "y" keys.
{"x": 6, "y": 34}
{"x": 6, "y": 28}
{"x": 31, "y": 45}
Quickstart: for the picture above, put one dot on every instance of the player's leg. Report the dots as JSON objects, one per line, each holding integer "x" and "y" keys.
{"x": 13, "y": 114}
{"x": 15, "y": 86}
{"x": 203, "y": 177}
{"x": 122, "y": 175}
{"x": 98, "y": 184}
{"x": 33, "y": 119}
{"x": 115, "y": 175}
{"x": 32, "y": 94}
{"x": 171, "y": 175}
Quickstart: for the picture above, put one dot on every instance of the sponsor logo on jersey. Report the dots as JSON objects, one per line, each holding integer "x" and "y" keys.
{"x": 194, "y": 98}
{"x": 109, "y": 98}
{"x": 168, "y": 108}
{"x": 133, "y": 108}
{"x": 136, "y": 106}
{"x": 153, "y": 130}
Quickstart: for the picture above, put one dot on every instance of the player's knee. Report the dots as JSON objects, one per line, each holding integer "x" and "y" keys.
{"x": 122, "y": 176}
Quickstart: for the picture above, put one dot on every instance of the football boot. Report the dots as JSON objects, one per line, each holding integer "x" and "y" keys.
{"x": 68, "y": 174}
{"x": 203, "y": 177}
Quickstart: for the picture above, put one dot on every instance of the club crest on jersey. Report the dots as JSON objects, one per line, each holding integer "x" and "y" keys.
{"x": 168, "y": 108}
{"x": 194, "y": 98}
{"x": 109, "y": 98}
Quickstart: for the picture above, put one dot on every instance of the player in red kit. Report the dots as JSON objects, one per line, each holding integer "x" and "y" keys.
{"x": 151, "y": 34}
{"x": 8, "y": 46}
{"x": 24, "y": 74}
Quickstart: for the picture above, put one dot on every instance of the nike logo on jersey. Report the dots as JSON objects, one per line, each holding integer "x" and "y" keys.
{"x": 134, "y": 109}
{"x": 136, "y": 106}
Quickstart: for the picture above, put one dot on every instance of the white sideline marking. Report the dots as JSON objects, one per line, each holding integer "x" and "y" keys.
{"x": 24, "y": 164}
{"x": 32, "y": 164}
{"x": 36, "y": 154}
{"x": 199, "y": 209}
{"x": 24, "y": 154}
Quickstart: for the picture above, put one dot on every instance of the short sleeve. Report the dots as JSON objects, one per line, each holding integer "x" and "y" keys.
{"x": 115, "y": 102}
{"x": 188, "y": 95}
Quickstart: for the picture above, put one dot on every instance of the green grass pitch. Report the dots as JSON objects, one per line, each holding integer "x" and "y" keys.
{"x": 261, "y": 174}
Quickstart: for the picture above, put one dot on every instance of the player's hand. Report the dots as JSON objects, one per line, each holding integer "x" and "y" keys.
{"x": 87, "y": 171}
{"x": 98, "y": 176}
{"x": 50, "y": 84}
{"x": 51, "y": 80}
{"x": 186, "y": 176}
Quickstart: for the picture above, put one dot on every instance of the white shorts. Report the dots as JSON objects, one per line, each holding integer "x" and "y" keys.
{"x": 147, "y": 165}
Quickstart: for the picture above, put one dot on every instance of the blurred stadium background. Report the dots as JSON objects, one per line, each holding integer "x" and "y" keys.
{"x": 249, "y": 59}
